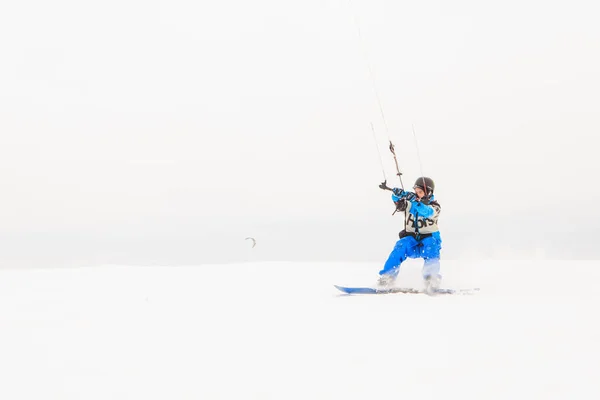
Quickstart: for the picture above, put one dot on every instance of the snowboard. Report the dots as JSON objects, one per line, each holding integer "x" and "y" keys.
{"x": 369, "y": 290}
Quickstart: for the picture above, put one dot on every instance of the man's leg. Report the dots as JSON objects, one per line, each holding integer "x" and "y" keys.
{"x": 401, "y": 251}
{"x": 430, "y": 251}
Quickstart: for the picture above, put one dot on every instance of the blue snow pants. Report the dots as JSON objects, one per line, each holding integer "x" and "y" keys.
{"x": 408, "y": 247}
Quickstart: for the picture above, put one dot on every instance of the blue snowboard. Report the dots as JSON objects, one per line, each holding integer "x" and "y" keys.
{"x": 368, "y": 290}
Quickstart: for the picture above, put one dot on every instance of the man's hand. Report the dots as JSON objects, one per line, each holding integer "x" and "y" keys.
{"x": 401, "y": 204}
{"x": 425, "y": 200}
{"x": 383, "y": 185}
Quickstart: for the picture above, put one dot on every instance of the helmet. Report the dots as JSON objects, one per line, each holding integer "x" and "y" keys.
{"x": 423, "y": 183}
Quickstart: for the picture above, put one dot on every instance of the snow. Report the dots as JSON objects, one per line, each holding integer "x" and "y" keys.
{"x": 280, "y": 330}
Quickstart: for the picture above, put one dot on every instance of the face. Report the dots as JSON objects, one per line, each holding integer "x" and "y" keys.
{"x": 419, "y": 192}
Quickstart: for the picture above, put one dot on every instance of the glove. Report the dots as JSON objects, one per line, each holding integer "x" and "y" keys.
{"x": 383, "y": 185}
{"x": 397, "y": 191}
{"x": 425, "y": 200}
{"x": 401, "y": 204}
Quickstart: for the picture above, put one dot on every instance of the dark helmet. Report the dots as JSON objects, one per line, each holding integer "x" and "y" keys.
{"x": 426, "y": 184}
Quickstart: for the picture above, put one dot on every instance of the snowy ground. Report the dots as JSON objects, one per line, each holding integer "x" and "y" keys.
{"x": 281, "y": 331}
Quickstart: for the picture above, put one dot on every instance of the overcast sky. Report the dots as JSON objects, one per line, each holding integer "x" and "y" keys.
{"x": 185, "y": 116}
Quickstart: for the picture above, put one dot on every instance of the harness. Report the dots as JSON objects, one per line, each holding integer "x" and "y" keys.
{"x": 418, "y": 236}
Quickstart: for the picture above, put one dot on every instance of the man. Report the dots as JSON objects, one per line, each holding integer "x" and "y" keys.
{"x": 420, "y": 237}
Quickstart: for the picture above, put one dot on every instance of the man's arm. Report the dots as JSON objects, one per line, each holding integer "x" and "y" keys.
{"x": 424, "y": 210}
{"x": 398, "y": 194}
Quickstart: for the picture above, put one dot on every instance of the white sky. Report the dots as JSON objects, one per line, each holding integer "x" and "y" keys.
{"x": 127, "y": 113}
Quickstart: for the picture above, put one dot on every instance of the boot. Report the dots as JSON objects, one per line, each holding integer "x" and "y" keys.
{"x": 432, "y": 283}
{"x": 385, "y": 281}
